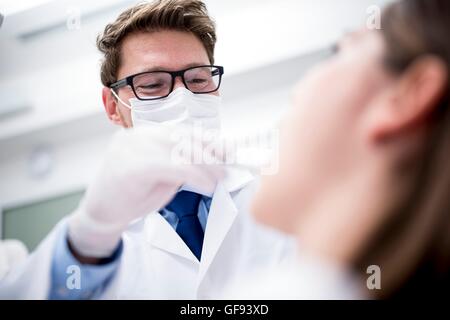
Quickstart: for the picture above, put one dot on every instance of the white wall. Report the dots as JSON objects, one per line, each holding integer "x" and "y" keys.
{"x": 265, "y": 47}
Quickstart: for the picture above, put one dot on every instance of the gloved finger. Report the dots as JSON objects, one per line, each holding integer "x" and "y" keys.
{"x": 200, "y": 177}
{"x": 217, "y": 172}
{"x": 162, "y": 193}
{"x": 197, "y": 153}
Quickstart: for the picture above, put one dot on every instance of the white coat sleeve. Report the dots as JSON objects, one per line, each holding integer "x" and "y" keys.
{"x": 33, "y": 278}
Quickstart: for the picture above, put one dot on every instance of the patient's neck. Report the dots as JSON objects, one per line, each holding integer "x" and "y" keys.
{"x": 348, "y": 212}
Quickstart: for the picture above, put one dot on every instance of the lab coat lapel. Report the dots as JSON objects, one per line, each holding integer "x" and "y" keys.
{"x": 159, "y": 233}
{"x": 222, "y": 214}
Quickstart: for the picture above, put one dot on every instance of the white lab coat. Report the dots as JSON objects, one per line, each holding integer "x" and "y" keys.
{"x": 306, "y": 276}
{"x": 157, "y": 264}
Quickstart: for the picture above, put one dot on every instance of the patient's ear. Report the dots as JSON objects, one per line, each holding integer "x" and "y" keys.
{"x": 111, "y": 107}
{"x": 411, "y": 100}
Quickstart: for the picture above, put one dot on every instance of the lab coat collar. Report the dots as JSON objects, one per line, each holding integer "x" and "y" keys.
{"x": 234, "y": 180}
{"x": 160, "y": 234}
{"x": 222, "y": 213}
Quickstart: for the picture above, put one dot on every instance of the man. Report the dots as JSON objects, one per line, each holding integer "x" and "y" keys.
{"x": 147, "y": 226}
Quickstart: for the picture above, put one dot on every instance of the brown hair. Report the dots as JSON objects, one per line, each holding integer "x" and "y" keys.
{"x": 182, "y": 15}
{"x": 413, "y": 247}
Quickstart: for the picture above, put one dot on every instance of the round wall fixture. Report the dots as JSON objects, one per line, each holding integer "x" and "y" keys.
{"x": 40, "y": 162}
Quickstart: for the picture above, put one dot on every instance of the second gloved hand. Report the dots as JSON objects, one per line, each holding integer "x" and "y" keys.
{"x": 139, "y": 175}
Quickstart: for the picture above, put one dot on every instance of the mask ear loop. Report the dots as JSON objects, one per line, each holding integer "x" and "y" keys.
{"x": 121, "y": 101}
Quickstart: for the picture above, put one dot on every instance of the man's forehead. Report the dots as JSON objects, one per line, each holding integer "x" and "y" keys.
{"x": 157, "y": 51}
{"x": 169, "y": 68}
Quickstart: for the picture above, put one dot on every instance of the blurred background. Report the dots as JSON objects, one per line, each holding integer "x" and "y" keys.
{"x": 53, "y": 130}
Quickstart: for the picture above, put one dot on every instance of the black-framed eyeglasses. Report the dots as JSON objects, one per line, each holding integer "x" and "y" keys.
{"x": 155, "y": 85}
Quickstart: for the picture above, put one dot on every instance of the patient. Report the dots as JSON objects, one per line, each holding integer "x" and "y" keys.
{"x": 364, "y": 175}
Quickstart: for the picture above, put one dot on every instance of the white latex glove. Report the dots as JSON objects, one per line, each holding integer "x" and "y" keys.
{"x": 139, "y": 175}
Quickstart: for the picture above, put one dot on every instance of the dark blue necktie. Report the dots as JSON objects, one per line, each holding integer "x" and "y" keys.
{"x": 185, "y": 206}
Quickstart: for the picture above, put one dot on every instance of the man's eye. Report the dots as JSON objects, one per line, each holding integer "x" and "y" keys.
{"x": 151, "y": 86}
{"x": 198, "y": 81}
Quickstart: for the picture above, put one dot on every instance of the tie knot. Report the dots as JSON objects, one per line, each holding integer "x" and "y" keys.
{"x": 185, "y": 204}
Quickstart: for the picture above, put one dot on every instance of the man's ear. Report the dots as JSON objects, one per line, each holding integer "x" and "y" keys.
{"x": 412, "y": 99}
{"x": 111, "y": 107}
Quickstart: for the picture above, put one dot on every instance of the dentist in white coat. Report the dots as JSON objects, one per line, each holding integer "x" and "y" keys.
{"x": 147, "y": 227}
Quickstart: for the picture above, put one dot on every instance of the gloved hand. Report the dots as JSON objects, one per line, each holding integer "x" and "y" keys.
{"x": 140, "y": 174}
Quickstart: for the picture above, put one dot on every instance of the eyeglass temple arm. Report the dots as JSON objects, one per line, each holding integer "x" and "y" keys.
{"x": 119, "y": 84}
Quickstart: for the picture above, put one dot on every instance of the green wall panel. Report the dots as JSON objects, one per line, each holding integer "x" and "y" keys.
{"x": 32, "y": 222}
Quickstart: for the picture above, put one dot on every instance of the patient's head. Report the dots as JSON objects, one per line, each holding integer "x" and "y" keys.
{"x": 369, "y": 132}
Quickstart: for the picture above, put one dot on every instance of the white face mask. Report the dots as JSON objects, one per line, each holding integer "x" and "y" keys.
{"x": 181, "y": 106}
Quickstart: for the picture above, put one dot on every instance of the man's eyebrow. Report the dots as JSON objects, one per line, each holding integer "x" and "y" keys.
{"x": 160, "y": 68}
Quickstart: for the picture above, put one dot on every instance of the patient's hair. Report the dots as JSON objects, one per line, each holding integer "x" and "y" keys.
{"x": 413, "y": 248}
{"x": 181, "y": 15}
